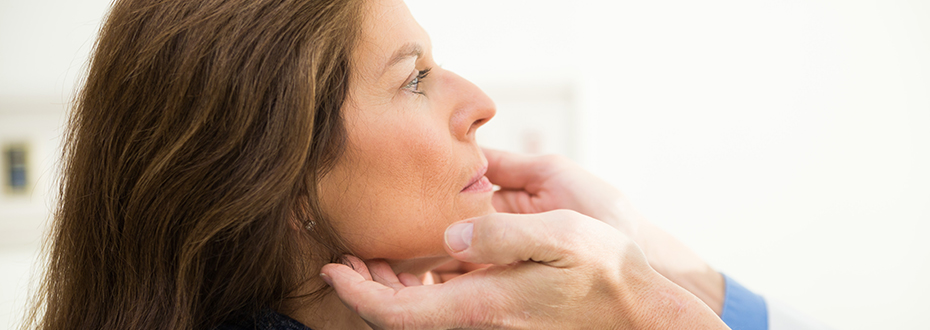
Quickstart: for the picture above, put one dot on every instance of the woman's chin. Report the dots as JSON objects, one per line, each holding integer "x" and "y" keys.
{"x": 475, "y": 204}
{"x": 436, "y": 255}
{"x": 419, "y": 247}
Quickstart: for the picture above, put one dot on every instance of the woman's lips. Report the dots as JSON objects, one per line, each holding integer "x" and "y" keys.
{"x": 479, "y": 183}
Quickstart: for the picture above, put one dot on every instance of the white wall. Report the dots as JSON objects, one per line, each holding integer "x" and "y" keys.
{"x": 785, "y": 141}
{"x": 788, "y": 142}
{"x": 43, "y": 46}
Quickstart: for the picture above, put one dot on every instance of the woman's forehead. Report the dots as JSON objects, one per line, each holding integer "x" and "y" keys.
{"x": 389, "y": 35}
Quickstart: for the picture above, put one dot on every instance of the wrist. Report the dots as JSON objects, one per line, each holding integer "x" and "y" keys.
{"x": 658, "y": 303}
{"x": 676, "y": 262}
{"x": 708, "y": 285}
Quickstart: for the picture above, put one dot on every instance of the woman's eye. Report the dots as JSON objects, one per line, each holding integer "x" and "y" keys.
{"x": 414, "y": 85}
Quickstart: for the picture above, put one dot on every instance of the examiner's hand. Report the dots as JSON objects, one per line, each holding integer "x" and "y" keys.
{"x": 555, "y": 270}
{"x": 534, "y": 184}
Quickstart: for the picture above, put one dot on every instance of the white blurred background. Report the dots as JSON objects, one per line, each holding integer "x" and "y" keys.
{"x": 786, "y": 141}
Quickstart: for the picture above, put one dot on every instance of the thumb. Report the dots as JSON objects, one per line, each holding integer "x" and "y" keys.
{"x": 553, "y": 238}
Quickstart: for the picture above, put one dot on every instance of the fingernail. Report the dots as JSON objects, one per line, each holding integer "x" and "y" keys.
{"x": 327, "y": 279}
{"x": 458, "y": 236}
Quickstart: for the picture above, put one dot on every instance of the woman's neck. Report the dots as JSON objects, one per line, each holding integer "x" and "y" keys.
{"x": 328, "y": 312}
{"x": 324, "y": 313}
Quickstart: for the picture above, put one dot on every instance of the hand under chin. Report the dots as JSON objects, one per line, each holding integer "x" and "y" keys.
{"x": 418, "y": 266}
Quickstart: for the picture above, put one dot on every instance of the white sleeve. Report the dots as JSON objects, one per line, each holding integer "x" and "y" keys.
{"x": 782, "y": 317}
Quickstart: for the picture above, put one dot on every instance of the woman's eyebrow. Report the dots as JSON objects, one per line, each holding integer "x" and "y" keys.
{"x": 409, "y": 49}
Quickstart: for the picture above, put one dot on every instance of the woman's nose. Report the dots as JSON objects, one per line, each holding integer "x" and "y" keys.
{"x": 473, "y": 107}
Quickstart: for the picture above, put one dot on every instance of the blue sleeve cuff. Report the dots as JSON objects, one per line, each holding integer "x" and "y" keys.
{"x": 742, "y": 309}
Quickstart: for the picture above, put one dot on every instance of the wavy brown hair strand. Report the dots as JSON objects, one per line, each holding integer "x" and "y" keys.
{"x": 193, "y": 152}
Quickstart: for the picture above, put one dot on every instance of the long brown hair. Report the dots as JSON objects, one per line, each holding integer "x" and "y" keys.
{"x": 193, "y": 153}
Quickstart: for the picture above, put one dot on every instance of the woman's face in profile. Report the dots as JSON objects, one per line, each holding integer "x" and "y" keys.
{"x": 411, "y": 165}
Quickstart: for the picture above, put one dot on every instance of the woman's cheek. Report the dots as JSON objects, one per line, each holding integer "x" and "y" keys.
{"x": 424, "y": 205}
{"x": 401, "y": 180}
{"x": 403, "y": 197}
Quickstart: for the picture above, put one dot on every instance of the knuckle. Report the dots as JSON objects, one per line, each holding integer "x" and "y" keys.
{"x": 549, "y": 163}
{"x": 571, "y": 222}
{"x": 573, "y": 231}
{"x": 553, "y": 158}
{"x": 555, "y": 162}
{"x": 566, "y": 214}
{"x": 488, "y": 228}
{"x": 492, "y": 235}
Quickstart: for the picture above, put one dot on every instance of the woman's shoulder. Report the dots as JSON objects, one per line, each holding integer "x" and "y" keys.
{"x": 269, "y": 320}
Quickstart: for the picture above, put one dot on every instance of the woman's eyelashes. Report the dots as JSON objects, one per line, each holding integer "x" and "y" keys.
{"x": 414, "y": 84}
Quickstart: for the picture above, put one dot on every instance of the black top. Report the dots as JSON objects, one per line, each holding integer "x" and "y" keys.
{"x": 269, "y": 320}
